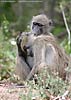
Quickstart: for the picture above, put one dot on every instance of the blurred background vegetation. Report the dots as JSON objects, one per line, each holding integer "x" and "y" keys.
{"x": 15, "y": 16}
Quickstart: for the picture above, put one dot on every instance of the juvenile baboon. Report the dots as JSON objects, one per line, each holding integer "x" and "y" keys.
{"x": 24, "y": 61}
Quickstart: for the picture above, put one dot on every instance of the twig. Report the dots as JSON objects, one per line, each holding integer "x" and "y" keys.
{"x": 63, "y": 97}
{"x": 67, "y": 28}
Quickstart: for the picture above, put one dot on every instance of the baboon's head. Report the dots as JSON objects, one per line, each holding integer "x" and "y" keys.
{"x": 40, "y": 25}
{"x": 22, "y": 40}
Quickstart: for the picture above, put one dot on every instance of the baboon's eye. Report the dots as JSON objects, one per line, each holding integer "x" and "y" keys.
{"x": 34, "y": 23}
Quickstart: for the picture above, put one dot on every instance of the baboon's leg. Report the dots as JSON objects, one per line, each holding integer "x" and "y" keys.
{"x": 38, "y": 59}
{"x": 22, "y": 69}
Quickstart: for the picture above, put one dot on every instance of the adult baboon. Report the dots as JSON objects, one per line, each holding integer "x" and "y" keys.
{"x": 46, "y": 50}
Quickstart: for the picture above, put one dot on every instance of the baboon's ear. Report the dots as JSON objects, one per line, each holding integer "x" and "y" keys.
{"x": 50, "y": 23}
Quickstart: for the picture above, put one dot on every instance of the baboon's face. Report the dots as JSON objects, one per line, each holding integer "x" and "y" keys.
{"x": 37, "y": 28}
{"x": 40, "y": 25}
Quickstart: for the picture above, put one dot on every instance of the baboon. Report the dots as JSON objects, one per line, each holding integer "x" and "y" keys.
{"x": 24, "y": 61}
{"x": 46, "y": 50}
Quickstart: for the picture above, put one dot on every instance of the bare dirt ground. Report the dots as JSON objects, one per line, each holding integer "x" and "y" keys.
{"x": 14, "y": 92}
{"x": 11, "y": 92}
